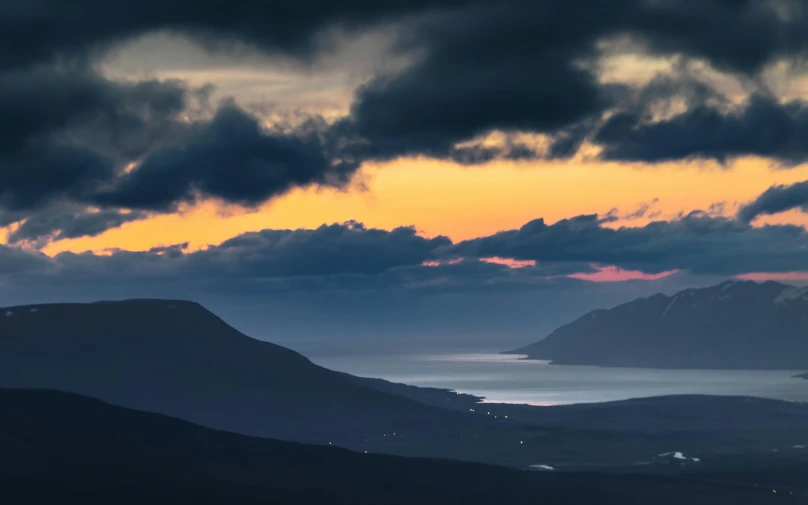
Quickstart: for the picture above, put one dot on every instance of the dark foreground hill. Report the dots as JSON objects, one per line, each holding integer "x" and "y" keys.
{"x": 61, "y": 448}
{"x": 734, "y": 325}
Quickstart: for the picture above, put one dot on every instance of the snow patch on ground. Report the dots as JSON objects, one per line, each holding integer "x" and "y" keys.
{"x": 679, "y": 455}
{"x": 789, "y": 293}
{"x": 728, "y": 285}
{"x": 669, "y": 305}
{"x": 542, "y": 467}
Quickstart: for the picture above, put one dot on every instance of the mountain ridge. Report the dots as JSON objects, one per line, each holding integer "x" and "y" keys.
{"x": 183, "y": 361}
{"x": 178, "y": 358}
{"x": 733, "y": 325}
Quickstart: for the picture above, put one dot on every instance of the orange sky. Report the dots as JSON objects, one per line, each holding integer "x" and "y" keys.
{"x": 442, "y": 198}
{"x": 436, "y": 197}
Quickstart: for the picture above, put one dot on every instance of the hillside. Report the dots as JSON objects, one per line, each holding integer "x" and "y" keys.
{"x": 59, "y": 447}
{"x": 734, "y": 325}
{"x": 179, "y": 359}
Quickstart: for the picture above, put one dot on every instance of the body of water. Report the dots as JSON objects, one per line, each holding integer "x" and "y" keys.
{"x": 508, "y": 379}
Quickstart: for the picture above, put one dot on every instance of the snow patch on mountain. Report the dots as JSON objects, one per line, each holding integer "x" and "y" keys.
{"x": 789, "y": 293}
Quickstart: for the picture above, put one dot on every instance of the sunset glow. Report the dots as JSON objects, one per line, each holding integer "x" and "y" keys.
{"x": 614, "y": 274}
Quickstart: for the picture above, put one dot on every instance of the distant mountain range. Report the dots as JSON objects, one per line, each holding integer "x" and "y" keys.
{"x": 177, "y": 358}
{"x": 62, "y": 448}
{"x": 734, "y": 325}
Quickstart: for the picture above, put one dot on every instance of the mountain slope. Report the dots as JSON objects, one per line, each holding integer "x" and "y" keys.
{"x": 62, "y": 448}
{"x": 735, "y": 325}
{"x": 177, "y": 358}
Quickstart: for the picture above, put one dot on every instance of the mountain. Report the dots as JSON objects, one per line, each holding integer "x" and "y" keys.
{"x": 62, "y": 448}
{"x": 734, "y": 325}
{"x": 179, "y": 359}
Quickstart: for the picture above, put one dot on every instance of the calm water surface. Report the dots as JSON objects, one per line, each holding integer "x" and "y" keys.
{"x": 508, "y": 379}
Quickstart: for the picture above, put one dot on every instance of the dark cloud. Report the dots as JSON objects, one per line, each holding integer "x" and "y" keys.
{"x": 492, "y": 67}
{"x": 350, "y": 248}
{"x": 345, "y": 256}
{"x": 476, "y": 67}
{"x": 64, "y": 223}
{"x": 232, "y": 158}
{"x": 509, "y": 66}
{"x": 733, "y": 35}
{"x": 760, "y": 127}
{"x": 776, "y": 199}
{"x": 640, "y": 212}
{"x": 265, "y": 259}
{"x": 44, "y": 29}
{"x": 66, "y": 132}
{"x": 36, "y": 178}
{"x": 352, "y": 257}
{"x": 15, "y": 263}
{"x": 698, "y": 243}
{"x": 75, "y": 105}
{"x": 67, "y": 136}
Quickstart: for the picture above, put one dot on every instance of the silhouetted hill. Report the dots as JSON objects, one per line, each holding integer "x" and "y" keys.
{"x": 630, "y": 435}
{"x": 734, "y": 325}
{"x": 62, "y": 448}
{"x": 177, "y": 358}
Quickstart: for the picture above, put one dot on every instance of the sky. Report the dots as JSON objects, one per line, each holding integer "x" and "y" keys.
{"x": 396, "y": 152}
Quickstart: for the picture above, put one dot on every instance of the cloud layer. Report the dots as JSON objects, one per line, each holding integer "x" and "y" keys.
{"x": 776, "y": 199}
{"x": 697, "y": 243}
{"x": 81, "y": 153}
{"x": 353, "y": 257}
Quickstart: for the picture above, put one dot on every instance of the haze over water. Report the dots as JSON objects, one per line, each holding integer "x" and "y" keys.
{"x": 508, "y": 379}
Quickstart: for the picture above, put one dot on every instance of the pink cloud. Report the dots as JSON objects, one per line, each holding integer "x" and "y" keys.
{"x": 437, "y": 263}
{"x": 510, "y": 262}
{"x": 615, "y": 274}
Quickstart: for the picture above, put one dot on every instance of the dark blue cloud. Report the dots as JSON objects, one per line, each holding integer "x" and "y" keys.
{"x": 761, "y": 127}
{"x": 510, "y": 66}
{"x": 67, "y": 136}
{"x": 351, "y": 256}
{"x": 67, "y": 133}
{"x": 776, "y": 199}
{"x": 232, "y": 158}
{"x": 69, "y": 222}
{"x": 697, "y": 243}
{"x": 47, "y": 29}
